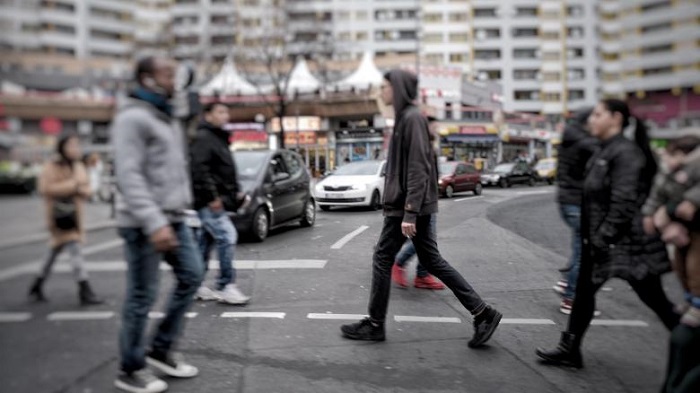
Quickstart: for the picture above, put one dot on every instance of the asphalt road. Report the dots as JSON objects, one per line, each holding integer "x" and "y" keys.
{"x": 507, "y": 243}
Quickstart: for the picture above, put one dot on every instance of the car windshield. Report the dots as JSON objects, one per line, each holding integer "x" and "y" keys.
{"x": 250, "y": 163}
{"x": 447, "y": 168}
{"x": 544, "y": 165}
{"x": 504, "y": 168}
{"x": 362, "y": 168}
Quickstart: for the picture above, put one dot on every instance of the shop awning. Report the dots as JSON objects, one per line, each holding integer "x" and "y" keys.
{"x": 466, "y": 138}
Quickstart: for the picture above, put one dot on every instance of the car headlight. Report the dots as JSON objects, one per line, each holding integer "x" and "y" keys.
{"x": 440, "y": 182}
{"x": 319, "y": 188}
{"x": 359, "y": 187}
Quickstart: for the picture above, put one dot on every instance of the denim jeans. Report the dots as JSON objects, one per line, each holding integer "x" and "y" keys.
{"x": 390, "y": 242}
{"x": 409, "y": 250}
{"x": 217, "y": 228}
{"x": 571, "y": 214}
{"x": 142, "y": 290}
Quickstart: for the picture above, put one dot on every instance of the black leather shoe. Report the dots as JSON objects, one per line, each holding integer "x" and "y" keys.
{"x": 485, "y": 325}
{"x": 566, "y": 354}
{"x": 364, "y": 330}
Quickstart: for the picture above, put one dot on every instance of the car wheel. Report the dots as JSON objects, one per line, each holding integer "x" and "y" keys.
{"x": 449, "y": 191}
{"x": 376, "y": 203}
{"x": 309, "y": 217}
{"x": 503, "y": 183}
{"x": 531, "y": 182}
{"x": 325, "y": 208}
{"x": 261, "y": 225}
{"x": 478, "y": 189}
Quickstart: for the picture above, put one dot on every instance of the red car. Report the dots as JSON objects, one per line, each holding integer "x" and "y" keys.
{"x": 459, "y": 177}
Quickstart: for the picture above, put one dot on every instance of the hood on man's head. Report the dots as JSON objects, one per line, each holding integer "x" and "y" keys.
{"x": 405, "y": 87}
{"x": 581, "y": 116}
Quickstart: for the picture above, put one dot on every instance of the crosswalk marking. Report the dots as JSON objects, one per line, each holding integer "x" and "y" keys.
{"x": 79, "y": 315}
{"x": 619, "y": 322}
{"x": 15, "y": 316}
{"x": 346, "y": 239}
{"x": 526, "y": 321}
{"x": 407, "y": 318}
{"x": 339, "y": 317}
{"x": 252, "y": 314}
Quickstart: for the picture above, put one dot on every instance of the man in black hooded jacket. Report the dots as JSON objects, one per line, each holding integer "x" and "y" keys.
{"x": 410, "y": 198}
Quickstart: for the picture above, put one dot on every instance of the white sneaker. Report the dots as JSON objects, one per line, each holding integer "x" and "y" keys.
{"x": 173, "y": 365}
{"x": 206, "y": 294}
{"x": 232, "y": 295}
{"x": 142, "y": 381}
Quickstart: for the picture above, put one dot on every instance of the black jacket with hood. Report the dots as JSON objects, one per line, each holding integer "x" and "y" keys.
{"x": 576, "y": 148}
{"x": 410, "y": 188}
{"x": 213, "y": 169}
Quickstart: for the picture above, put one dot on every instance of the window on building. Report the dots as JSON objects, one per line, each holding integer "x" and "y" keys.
{"x": 574, "y": 10}
{"x": 611, "y": 56}
{"x": 655, "y": 6}
{"x": 551, "y": 56}
{"x": 362, "y": 36}
{"x": 575, "y": 32}
{"x": 576, "y": 74}
{"x": 550, "y": 14}
{"x": 526, "y": 74}
{"x": 551, "y": 76}
{"x": 656, "y": 27}
{"x": 487, "y": 54}
{"x": 485, "y": 13}
{"x": 574, "y": 53}
{"x": 362, "y": 15}
{"x": 219, "y": 20}
{"x": 526, "y": 95}
{"x": 434, "y": 58}
{"x": 493, "y": 75}
{"x": 647, "y": 50}
{"x": 550, "y": 35}
{"x": 524, "y": 32}
{"x": 344, "y": 16}
{"x": 458, "y": 17}
{"x": 529, "y": 53}
{"x": 576, "y": 95}
{"x": 657, "y": 71}
{"x": 458, "y": 58}
{"x": 525, "y": 12}
{"x": 551, "y": 97}
{"x": 344, "y": 36}
{"x": 433, "y": 38}
{"x": 484, "y": 34}
{"x": 433, "y": 17}
{"x": 459, "y": 37}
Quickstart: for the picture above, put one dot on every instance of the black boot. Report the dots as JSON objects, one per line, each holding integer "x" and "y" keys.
{"x": 87, "y": 297}
{"x": 567, "y": 353}
{"x": 36, "y": 292}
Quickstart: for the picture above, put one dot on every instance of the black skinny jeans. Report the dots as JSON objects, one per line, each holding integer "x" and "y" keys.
{"x": 649, "y": 291}
{"x": 425, "y": 242}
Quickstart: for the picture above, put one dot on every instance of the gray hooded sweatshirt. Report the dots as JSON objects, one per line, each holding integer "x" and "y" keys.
{"x": 410, "y": 187}
{"x": 151, "y": 167}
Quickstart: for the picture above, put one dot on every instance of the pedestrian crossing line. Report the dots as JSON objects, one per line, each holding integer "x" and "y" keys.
{"x": 337, "y": 317}
{"x": 253, "y": 314}
{"x": 80, "y": 315}
{"x": 191, "y": 315}
{"x": 407, "y": 318}
{"x": 346, "y": 239}
{"x": 468, "y": 198}
{"x": 15, "y": 317}
{"x": 526, "y": 321}
{"x": 618, "y": 322}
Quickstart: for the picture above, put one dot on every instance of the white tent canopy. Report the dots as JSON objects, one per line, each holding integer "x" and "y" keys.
{"x": 301, "y": 80}
{"x": 366, "y": 75}
{"x": 228, "y": 82}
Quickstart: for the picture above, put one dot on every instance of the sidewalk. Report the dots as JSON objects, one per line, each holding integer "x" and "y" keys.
{"x": 23, "y": 220}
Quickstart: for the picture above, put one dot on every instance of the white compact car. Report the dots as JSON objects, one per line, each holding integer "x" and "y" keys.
{"x": 354, "y": 184}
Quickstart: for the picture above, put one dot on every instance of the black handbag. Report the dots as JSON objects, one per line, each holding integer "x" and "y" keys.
{"x": 65, "y": 214}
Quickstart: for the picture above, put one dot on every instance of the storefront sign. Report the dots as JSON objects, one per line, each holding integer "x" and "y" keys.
{"x": 297, "y": 123}
{"x": 472, "y": 130}
{"x": 299, "y": 138}
{"x": 248, "y": 136}
{"x": 358, "y": 134}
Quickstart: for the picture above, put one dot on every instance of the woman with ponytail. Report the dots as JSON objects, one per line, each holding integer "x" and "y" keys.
{"x": 64, "y": 185}
{"x": 618, "y": 180}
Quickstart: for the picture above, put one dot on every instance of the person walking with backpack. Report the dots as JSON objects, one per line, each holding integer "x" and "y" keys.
{"x": 65, "y": 187}
{"x": 410, "y": 198}
{"x": 153, "y": 194}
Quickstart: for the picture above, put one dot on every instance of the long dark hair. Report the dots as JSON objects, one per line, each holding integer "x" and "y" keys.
{"x": 641, "y": 137}
{"x": 61, "y": 149}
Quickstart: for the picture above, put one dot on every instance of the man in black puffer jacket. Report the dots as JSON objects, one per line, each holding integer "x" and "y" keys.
{"x": 410, "y": 198}
{"x": 216, "y": 191}
{"x": 576, "y": 149}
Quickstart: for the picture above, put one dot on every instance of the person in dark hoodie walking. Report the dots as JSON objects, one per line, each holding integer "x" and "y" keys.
{"x": 216, "y": 192}
{"x": 410, "y": 198}
{"x": 153, "y": 193}
{"x": 576, "y": 149}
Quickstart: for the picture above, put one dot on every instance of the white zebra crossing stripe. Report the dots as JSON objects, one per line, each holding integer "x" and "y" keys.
{"x": 619, "y": 322}
{"x": 252, "y": 314}
{"x": 406, "y": 318}
{"x": 15, "y": 316}
{"x": 80, "y": 315}
{"x": 338, "y": 317}
{"x": 526, "y": 321}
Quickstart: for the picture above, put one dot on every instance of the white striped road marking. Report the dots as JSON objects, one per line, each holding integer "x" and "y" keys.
{"x": 79, "y": 315}
{"x": 277, "y": 315}
{"x": 340, "y": 317}
{"x": 526, "y": 321}
{"x": 272, "y": 264}
{"x": 156, "y": 315}
{"x": 15, "y": 316}
{"x": 541, "y": 192}
{"x": 620, "y": 322}
{"x": 191, "y": 315}
{"x": 97, "y": 248}
{"x": 340, "y": 243}
{"x": 408, "y": 318}
{"x": 468, "y": 199}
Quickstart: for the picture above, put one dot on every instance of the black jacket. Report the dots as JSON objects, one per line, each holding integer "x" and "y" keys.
{"x": 213, "y": 169}
{"x": 410, "y": 187}
{"x": 576, "y": 148}
{"x": 614, "y": 241}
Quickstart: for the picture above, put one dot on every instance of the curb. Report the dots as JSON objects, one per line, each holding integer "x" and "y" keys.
{"x": 41, "y": 237}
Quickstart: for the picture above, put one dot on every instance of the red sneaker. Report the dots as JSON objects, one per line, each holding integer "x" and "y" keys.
{"x": 428, "y": 282}
{"x": 398, "y": 276}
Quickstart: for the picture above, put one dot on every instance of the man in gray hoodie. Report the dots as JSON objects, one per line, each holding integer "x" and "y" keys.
{"x": 154, "y": 191}
{"x": 410, "y": 198}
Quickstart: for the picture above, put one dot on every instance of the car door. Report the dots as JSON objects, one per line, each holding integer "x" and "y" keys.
{"x": 521, "y": 173}
{"x": 473, "y": 177}
{"x": 300, "y": 183}
{"x": 460, "y": 178}
{"x": 281, "y": 193}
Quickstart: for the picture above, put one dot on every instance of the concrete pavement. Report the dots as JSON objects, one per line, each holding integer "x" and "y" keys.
{"x": 293, "y": 343}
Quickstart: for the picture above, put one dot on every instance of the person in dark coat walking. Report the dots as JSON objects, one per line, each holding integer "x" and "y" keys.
{"x": 618, "y": 180}
{"x": 576, "y": 149}
{"x": 410, "y": 199}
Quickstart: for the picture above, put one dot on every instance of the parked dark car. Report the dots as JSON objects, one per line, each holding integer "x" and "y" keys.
{"x": 279, "y": 186}
{"x": 458, "y": 177}
{"x": 508, "y": 174}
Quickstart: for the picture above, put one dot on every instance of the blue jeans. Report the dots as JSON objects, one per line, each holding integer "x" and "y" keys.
{"x": 142, "y": 290}
{"x": 571, "y": 214}
{"x": 409, "y": 250}
{"x": 218, "y": 229}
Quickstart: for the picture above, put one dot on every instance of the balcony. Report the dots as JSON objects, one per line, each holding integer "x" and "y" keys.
{"x": 663, "y": 81}
{"x": 57, "y": 17}
{"x": 110, "y": 25}
{"x": 113, "y": 5}
{"x": 611, "y": 47}
{"x": 552, "y": 108}
{"x": 611, "y": 67}
{"x": 658, "y": 60}
{"x": 54, "y": 38}
{"x": 609, "y": 7}
{"x": 552, "y": 87}
{"x": 688, "y": 32}
{"x": 524, "y": 106}
{"x": 110, "y": 46}
{"x": 681, "y": 11}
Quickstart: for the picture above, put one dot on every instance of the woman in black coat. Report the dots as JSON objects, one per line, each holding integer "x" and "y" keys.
{"x": 618, "y": 180}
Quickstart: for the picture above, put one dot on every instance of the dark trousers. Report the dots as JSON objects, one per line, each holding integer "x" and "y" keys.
{"x": 683, "y": 374}
{"x": 425, "y": 241}
{"x": 649, "y": 291}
